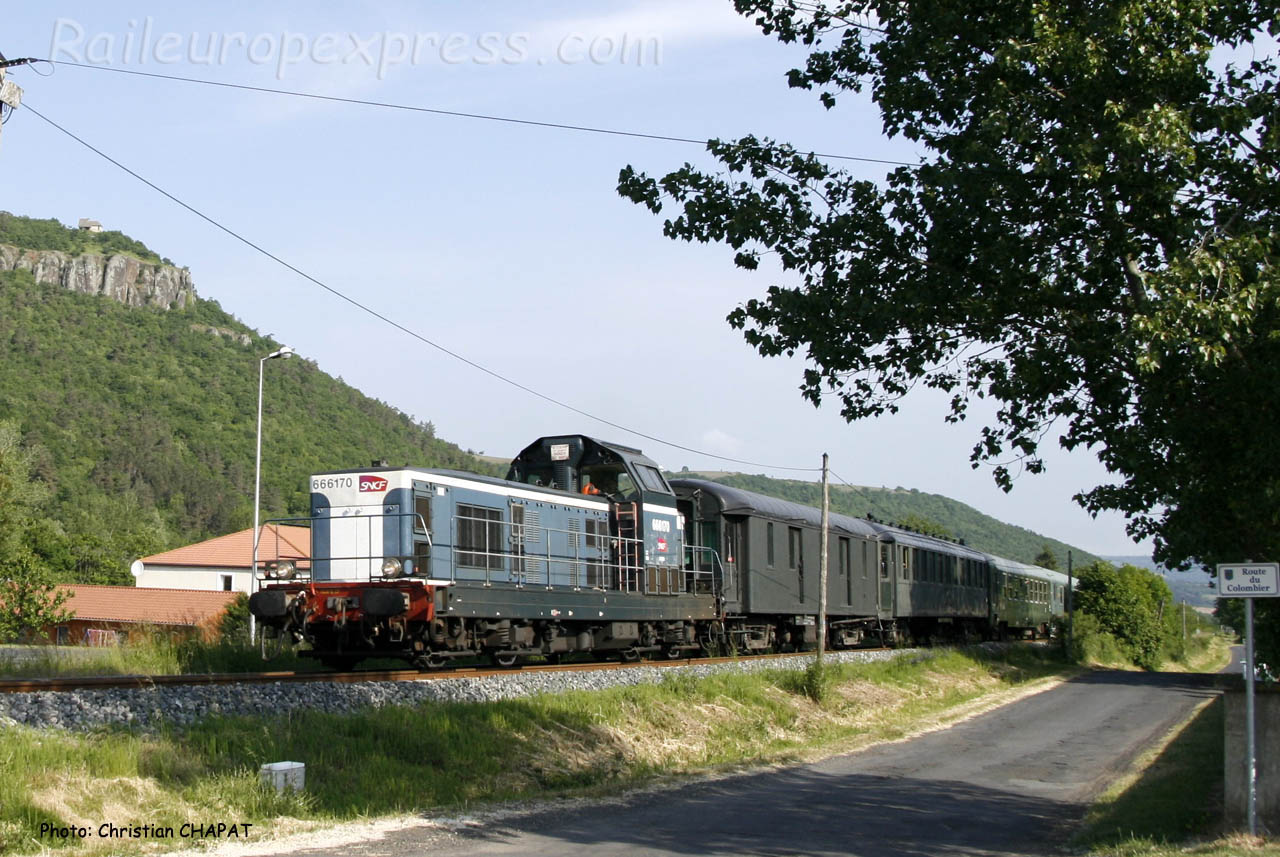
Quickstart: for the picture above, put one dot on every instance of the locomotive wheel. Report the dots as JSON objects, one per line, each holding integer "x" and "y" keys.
{"x": 629, "y": 656}
{"x": 506, "y": 660}
{"x": 673, "y": 653}
{"x": 429, "y": 661}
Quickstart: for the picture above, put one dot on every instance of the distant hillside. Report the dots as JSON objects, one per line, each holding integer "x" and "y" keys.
{"x": 142, "y": 417}
{"x": 896, "y": 505}
{"x": 1191, "y": 586}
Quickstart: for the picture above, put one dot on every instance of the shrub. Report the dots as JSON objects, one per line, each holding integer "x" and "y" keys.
{"x": 1091, "y": 644}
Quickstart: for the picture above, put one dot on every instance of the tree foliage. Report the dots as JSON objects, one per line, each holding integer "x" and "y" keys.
{"x": 1088, "y": 241}
{"x": 927, "y": 526}
{"x": 33, "y": 234}
{"x": 1046, "y": 558}
{"x": 130, "y": 430}
{"x": 1130, "y": 604}
{"x": 30, "y": 601}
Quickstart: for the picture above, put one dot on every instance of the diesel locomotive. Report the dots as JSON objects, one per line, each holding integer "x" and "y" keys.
{"x": 587, "y": 547}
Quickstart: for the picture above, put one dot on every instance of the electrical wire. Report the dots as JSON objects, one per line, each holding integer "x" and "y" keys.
{"x": 412, "y": 333}
{"x": 1188, "y": 194}
{"x": 455, "y": 113}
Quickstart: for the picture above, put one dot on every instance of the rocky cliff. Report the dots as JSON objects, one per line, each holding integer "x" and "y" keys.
{"x": 122, "y": 278}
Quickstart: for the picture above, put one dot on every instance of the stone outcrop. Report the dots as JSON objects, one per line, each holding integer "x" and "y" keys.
{"x": 119, "y": 277}
{"x": 234, "y": 335}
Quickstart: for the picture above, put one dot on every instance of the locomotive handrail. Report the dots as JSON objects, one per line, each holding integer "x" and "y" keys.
{"x": 596, "y": 560}
{"x": 628, "y": 573}
{"x": 696, "y": 574}
{"x": 311, "y": 559}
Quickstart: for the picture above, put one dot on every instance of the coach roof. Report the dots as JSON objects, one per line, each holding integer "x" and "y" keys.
{"x": 735, "y": 501}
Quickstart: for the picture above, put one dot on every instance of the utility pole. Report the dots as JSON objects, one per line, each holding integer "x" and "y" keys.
{"x": 10, "y": 92}
{"x": 822, "y": 563}
{"x": 1070, "y": 587}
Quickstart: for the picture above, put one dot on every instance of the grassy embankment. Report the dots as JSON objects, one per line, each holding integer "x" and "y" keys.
{"x": 453, "y": 756}
{"x": 157, "y": 654}
{"x": 440, "y": 757}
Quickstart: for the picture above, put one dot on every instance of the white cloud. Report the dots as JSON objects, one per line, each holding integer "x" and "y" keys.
{"x": 671, "y": 20}
{"x": 721, "y": 442}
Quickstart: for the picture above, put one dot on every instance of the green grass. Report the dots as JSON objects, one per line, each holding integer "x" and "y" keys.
{"x": 1173, "y": 805}
{"x": 438, "y": 756}
{"x": 153, "y": 654}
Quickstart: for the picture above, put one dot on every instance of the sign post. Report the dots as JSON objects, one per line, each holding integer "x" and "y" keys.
{"x": 1249, "y": 580}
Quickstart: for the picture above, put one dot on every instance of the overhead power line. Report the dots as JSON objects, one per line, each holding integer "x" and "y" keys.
{"x": 455, "y": 113}
{"x": 397, "y": 325}
{"x": 1186, "y": 193}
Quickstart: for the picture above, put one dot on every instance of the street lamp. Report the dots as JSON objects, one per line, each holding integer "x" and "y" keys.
{"x": 284, "y": 352}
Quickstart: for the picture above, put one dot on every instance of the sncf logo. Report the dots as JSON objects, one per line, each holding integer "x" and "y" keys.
{"x": 373, "y": 483}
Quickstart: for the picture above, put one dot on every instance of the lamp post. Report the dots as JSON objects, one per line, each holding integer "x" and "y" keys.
{"x": 284, "y": 352}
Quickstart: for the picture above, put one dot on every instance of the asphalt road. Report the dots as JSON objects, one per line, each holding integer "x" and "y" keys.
{"x": 1011, "y": 782}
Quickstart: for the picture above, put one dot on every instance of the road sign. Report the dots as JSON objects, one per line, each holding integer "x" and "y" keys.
{"x": 1249, "y": 580}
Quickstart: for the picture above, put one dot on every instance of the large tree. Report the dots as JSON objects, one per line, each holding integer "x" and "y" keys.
{"x": 1088, "y": 240}
{"x": 29, "y": 600}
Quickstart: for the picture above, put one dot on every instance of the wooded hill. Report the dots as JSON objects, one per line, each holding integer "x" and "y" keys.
{"x": 138, "y": 427}
{"x": 929, "y": 513}
{"x": 141, "y": 420}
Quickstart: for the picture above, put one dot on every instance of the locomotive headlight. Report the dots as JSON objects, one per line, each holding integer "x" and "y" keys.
{"x": 391, "y": 567}
{"x": 285, "y": 569}
{"x": 269, "y": 571}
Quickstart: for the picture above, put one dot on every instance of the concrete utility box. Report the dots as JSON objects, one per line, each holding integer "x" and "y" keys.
{"x": 1267, "y": 754}
{"x": 284, "y": 775}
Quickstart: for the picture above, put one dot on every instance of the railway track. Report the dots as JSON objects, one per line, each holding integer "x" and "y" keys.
{"x": 135, "y": 682}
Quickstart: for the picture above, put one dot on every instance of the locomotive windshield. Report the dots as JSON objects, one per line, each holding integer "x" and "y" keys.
{"x": 611, "y": 480}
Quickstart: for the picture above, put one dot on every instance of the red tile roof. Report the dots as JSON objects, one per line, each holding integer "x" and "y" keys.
{"x": 236, "y": 549}
{"x": 95, "y": 603}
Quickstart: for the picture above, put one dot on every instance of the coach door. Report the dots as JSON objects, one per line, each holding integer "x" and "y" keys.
{"x": 885, "y": 605}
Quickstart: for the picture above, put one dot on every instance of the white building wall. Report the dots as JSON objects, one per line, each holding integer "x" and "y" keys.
{"x": 186, "y": 577}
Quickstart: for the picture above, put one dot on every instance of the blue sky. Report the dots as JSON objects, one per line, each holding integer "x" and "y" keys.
{"x": 505, "y": 243}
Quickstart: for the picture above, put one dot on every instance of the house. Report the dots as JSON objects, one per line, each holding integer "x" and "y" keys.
{"x": 105, "y": 615}
{"x": 90, "y": 225}
{"x": 222, "y": 564}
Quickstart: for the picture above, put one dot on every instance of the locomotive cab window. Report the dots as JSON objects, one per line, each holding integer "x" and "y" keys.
{"x": 421, "y": 514}
{"x": 651, "y": 479}
{"x": 627, "y": 487}
{"x": 605, "y": 479}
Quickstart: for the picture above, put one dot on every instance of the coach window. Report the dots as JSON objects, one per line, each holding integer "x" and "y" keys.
{"x": 795, "y": 558}
{"x": 906, "y": 563}
{"x": 768, "y": 536}
{"x": 845, "y": 558}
